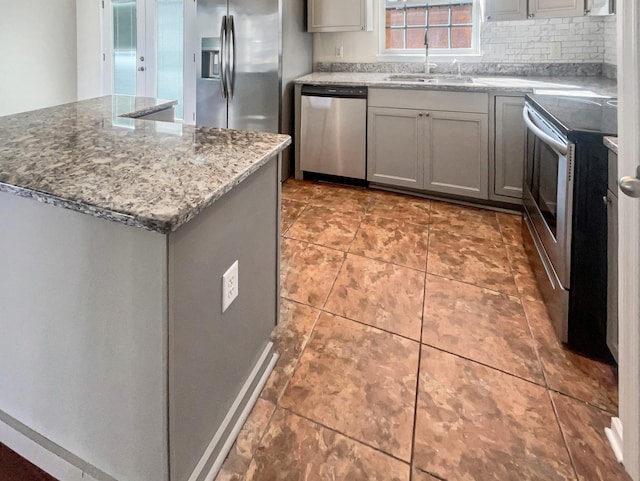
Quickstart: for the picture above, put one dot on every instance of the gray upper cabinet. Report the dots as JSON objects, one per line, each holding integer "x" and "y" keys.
{"x": 496, "y": 10}
{"x": 499, "y": 10}
{"x": 457, "y": 159}
{"x": 338, "y": 15}
{"x": 556, "y": 8}
{"x": 509, "y": 148}
{"x": 395, "y": 148}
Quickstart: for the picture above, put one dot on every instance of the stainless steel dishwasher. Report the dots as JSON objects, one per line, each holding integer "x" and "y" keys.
{"x": 333, "y": 131}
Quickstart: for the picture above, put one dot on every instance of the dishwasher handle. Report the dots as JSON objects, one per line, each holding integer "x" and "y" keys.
{"x": 336, "y": 91}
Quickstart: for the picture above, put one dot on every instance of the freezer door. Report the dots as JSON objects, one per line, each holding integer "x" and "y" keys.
{"x": 211, "y": 106}
{"x": 255, "y": 84}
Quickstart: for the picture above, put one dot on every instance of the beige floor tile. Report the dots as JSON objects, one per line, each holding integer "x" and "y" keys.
{"x": 326, "y": 227}
{"x": 307, "y": 271}
{"x": 379, "y": 294}
{"x": 479, "y": 324}
{"x": 583, "y": 426}
{"x": 511, "y": 228}
{"x": 341, "y": 197}
{"x": 470, "y": 221}
{"x": 393, "y": 241}
{"x": 419, "y": 475}
{"x": 296, "y": 449}
{"x": 359, "y": 381}
{"x": 289, "y": 338}
{"x": 472, "y": 260}
{"x": 400, "y": 207}
{"x": 523, "y": 273}
{"x": 476, "y": 423}
{"x": 239, "y": 458}
{"x": 291, "y": 209}
{"x": 570, "y": 373}
{"x": 299, "y": 190}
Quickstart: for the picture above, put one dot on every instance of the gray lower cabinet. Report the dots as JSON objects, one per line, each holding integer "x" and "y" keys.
{"x": 428, "y": 140}
{"x": 456, "y": 153}
{"x": 395, "y": 147}
{"x": 434, "y": 151}
{"x": 509, "y": 149}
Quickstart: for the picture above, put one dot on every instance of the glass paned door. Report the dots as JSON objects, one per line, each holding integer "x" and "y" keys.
{"x": 125, "y": 43}
{"x": 145, "y": 40}
{"x": 129, "y": 58}
{"x": 169, "y": 51}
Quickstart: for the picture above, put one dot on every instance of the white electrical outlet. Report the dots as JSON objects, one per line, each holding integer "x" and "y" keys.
{"x": 555, "y": 50}
{"x": 339, "y": 51}
{"x": 229, "y": 286}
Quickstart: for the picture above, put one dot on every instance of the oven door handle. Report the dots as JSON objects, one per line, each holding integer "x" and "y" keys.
{"x": 559, "y": 147}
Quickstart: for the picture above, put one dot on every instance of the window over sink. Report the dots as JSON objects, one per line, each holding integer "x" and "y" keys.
{"x": 451, "y": 26}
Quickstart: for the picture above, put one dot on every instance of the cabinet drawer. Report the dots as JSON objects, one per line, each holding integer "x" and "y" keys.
{"x": 475, "y": 102}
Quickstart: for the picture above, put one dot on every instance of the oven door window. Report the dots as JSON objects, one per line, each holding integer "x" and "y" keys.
{"x": 542, "y": 179}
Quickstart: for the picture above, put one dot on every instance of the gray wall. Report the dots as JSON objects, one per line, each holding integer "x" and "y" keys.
{"x": 38, "y": 54}
{"x": 297, "y": 60}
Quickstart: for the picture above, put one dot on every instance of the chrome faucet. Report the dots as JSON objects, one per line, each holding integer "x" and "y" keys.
{"x": 456, "y": 62}
{"x": 427, "y": 65}
{"x": 426, "y": 51}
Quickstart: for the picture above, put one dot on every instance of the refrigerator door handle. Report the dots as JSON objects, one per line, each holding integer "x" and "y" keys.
{"x": 231, "y": 74}
{"x": 223, "y": 57}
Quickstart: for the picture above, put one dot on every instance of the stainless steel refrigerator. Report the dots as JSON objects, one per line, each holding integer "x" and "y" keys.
{"x": 250, "y": 50}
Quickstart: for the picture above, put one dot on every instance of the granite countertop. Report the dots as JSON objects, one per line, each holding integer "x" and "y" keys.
{"x": 612, "y": 143}
{"x": 596, "y": 85}
{"x": 155, "y": 175}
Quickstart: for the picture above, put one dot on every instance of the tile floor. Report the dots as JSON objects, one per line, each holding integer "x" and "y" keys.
{"x": 414, "y": 346}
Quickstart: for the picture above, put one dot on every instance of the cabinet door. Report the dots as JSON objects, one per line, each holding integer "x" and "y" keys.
{"x": 336, "y": 15}
{"x": 395, "y": 147}
{"x": 457, "y": 157}
{"x": 498, "y": 10}
{"x": 556, "y": 8}
{"x": 510, "y": 135}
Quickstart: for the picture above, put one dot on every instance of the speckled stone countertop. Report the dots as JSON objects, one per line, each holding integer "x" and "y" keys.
{"x": 597, "y": 85}
{"x": 156, "y": 175}
{"x": 611, "y": 143}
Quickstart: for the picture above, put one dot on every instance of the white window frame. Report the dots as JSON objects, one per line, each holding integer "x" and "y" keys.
{"x": 418, "y": 55}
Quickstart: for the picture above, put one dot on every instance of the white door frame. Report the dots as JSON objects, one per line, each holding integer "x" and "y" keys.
{"x": 628, "y": 446}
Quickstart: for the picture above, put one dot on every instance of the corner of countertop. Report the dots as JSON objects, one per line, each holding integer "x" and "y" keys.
{"x": 612, "y": 144}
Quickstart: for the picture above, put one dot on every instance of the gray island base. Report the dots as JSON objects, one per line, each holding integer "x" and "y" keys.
{"x": 116, "y": 359}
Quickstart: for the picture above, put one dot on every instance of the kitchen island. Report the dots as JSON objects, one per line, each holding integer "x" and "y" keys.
{"x": 117, "y": 361}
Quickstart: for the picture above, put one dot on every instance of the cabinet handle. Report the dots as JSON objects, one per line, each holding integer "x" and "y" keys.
{"x": 427, "y": 114}
{"x": 530, "y": 15}
{"x": 420, "y": 114}
{"x": 488, "y": 17}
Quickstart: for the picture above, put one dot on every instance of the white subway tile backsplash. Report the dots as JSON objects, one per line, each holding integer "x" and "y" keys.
{"x": 582, "y": 40}
{"x": 610, "y": 38}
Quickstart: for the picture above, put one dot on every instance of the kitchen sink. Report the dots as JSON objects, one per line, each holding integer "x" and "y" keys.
{"x": 450, "y": 80}
{"x": 430, "y": 79}
{"x": 419, "y": 77}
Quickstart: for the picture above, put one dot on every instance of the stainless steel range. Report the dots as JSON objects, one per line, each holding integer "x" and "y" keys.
{"x": 565, "y": 179}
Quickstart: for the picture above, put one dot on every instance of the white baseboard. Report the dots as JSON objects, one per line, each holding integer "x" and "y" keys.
{"x": 217, "y": 450}
{"x": 42, "y": 457}
{"x": 614, "y": 435}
